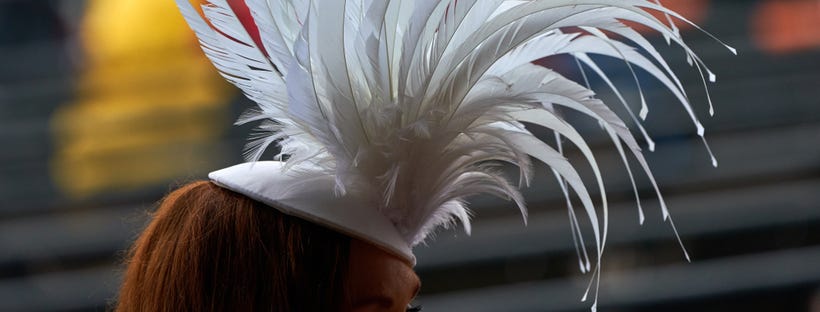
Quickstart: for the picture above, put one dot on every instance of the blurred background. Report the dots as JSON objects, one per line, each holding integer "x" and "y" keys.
{"x": 106, "y": 105}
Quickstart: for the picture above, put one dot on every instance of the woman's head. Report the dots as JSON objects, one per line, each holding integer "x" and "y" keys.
{"x": 210, "y": 249}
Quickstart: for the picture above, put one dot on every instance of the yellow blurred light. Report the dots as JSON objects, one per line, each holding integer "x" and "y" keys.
{"x": 149, "y": 107}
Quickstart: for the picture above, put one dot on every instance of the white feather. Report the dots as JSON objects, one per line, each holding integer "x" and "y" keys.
{"x": 414, "y": 103}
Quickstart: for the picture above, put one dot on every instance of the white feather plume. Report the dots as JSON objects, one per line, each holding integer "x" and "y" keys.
{"x": 413, "y": 103}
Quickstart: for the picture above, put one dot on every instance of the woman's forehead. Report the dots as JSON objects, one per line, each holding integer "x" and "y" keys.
{"x": 375, "y": 270}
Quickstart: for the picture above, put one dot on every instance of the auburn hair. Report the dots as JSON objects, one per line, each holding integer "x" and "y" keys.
{"x": 211, "y": 249}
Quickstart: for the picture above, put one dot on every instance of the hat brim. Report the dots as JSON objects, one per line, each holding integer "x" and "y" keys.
{"x": 313, "y": 199}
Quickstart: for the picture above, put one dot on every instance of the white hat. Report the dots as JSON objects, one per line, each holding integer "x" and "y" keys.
{"x": 392, "y": 113}
{"x": 270, "y": 183}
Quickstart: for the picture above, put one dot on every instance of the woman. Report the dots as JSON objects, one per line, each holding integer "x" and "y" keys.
{"x": 211, "y": 249}
{"x": 390, "y": 115}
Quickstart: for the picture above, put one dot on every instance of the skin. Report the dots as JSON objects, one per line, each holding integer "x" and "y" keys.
{"x": 380, "y": 281}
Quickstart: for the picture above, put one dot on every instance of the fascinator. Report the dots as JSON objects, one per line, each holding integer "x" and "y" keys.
{"x": 389, "y": 114}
